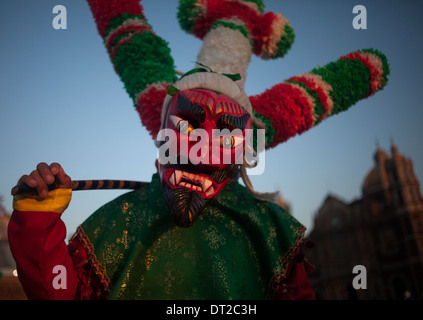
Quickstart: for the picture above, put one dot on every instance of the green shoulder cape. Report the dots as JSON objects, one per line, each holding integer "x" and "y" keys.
{"x": 233, "y": 250}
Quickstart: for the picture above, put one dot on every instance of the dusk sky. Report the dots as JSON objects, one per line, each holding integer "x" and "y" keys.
{"x": 61, "y": 100}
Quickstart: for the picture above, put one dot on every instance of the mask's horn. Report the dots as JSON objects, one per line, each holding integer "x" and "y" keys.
{"x": 232, "y": 31}
{"x": 301, "y": 102}
{"x": 140, "y": 57}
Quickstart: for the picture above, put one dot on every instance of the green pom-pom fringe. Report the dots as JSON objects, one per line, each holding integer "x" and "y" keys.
{"x": 119, "y": 19}
{"x": 270, "y": 131}
{"x": 286, "y": 42}
{"x": 319, "y": 109}
{"x": 187, "y": 14}
{"x": 144, "y": 60}
{"x": 350, "y": 81}
{"x": 259, "y": 3}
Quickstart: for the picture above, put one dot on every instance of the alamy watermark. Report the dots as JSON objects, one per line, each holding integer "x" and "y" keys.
{"x": 60, "y": 20}
{"x": 59, "y": 281}
{"x": 221, "y": 147}
{"x": 360, "y": 20}
{"x": 360, "y": 280}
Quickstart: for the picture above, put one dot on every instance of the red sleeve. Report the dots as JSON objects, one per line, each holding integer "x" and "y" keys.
{"x": 298, "y": 286}
{"x": 293, "y": 283}
{"x": 45, "y": 267}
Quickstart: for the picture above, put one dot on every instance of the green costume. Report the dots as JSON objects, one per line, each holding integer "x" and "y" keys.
{"x": 232, "y": 251}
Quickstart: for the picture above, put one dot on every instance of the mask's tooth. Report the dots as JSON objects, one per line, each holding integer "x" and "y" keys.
{"x": 206, "y": 184}
{"x": 185, "y": 175}
{"x": 200, "y": 181}
{"x": 178, "y": 177}
{"x": 172, "y": 179}
{"x": 210, "y": 191}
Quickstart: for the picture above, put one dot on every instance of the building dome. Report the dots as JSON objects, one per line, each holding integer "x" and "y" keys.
{"x": 374, "y": 181}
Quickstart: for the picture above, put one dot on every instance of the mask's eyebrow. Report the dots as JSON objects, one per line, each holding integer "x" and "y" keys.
{"x": 183, "y": 104}
{"x": 228, "y": 120}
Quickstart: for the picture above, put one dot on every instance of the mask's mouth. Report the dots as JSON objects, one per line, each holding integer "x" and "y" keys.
{"x": 200, "y": 183}
{"x": 188, "y": 189}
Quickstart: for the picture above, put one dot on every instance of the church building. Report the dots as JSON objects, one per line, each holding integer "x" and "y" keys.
{"x": 382, "y": 233}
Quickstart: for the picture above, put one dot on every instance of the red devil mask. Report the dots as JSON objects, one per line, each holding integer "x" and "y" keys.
{"x": 202, "y": 145}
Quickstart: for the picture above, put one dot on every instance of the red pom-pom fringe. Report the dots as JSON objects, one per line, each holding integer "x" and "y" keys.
{"x": 149, "y": 107}
{"x": 324, "y": 98}
{"x": 260, "y": 26}
{"x": 374, "y": 64}
{"x": 124, "y": 41}
{"x": 105, "y": 10}
{"x": 130, "y": 30}
{"x": 288, "y": 108}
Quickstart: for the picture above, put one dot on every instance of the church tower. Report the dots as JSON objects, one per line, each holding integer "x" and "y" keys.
{"x": 391, "y": 191}
{"x": 382, "y": 230}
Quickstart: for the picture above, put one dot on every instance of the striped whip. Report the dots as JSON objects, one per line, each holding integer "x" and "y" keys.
{"x": 86, "y": 185}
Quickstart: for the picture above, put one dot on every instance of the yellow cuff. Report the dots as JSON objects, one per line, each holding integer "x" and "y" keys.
{"x": 56, "y": 201}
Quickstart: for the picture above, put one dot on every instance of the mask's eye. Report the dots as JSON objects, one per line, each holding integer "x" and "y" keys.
{"x": 183, "y": 126}
{"x": 229, "y": 142}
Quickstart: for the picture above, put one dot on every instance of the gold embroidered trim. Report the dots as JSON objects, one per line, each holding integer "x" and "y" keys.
{"x": 92, "y": 259}
{"x": 278, "y": 278}
{"x": 293, "y": 250}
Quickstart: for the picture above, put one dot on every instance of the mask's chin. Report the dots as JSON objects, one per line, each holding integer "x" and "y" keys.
{"x": 185, "y": 206}
{"x": 187, "y": 191}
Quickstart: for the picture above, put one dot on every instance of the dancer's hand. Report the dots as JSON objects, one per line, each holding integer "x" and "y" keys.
{"x": 44, "y": 176}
